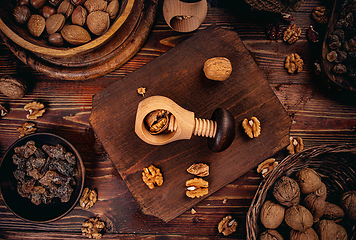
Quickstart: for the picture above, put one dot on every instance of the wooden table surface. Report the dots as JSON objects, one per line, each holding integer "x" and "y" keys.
{"x": 320, "y": 115}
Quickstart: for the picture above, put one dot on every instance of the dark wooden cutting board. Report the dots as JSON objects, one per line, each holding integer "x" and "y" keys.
{"x": 178, "y": 75}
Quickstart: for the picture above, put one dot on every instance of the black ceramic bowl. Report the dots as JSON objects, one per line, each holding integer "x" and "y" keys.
{"x": 23, "y": 207}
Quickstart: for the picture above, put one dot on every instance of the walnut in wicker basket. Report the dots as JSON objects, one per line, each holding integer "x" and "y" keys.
{"x": 336, "y": 164}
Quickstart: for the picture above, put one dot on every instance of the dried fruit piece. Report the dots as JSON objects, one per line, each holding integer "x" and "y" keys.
{"x": 217, "y": 68}
{"x": 287, "y": 17}
{"x": 199, "y": 169}
{"x": 141, "y": 90}
{"x": 291, "y": 34}
{"x": 331, "y": 56}
{"x": 157, "y": 121}
{"x": 339, "y": 69}
{"x": 312, "y": 34}
{"x": 92, "y": 228}
{"x": 26, "y": 128}
{"x": 252, "y": 127}
{"x": 196, "y": 187}
{"x": 227, "y": 225}
{"x": 35, "y": 110}
{"x": 267, "y": 166}
{"x": 88, "y": 198}
{"x": 320, "y": 14}
{"x": 295, "y": 145}
{"x": 152, "y": 176}
{"x": 274, "y": 31}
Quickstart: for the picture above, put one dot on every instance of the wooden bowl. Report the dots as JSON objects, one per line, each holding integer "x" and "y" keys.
{"x": 335, "y": 164}
{"x": 23, "y": 207}
{"x": 20, "y": 35}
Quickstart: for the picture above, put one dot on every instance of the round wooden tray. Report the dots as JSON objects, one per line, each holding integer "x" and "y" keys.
{"x": 117, "y": 51}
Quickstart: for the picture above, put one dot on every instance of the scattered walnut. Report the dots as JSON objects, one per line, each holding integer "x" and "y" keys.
{"x": 252, "y": 127}
{"x": 294, "y": 63}
{"x": 320, "y": 14}
{"x": 295, "y": 145}
{"x": 92, "y": 228}
{"x": 141, "y": 90}
{"x": 88, "y": 198}
{"x": 224, "y": 201}
{"x": 217, "y": 68}
{"x": 152, "y": 176}
{"x": 26, "y": 128}
{"x": 35, "y": 110}
{"x": 199, "y": 169}
{"x": 267, "y": 166}
{"x": 157, "y": 121}
{"x": 3, "y": 111}
{"x": 291, "y": 34}
{"x": 196, "y": 187}
{"x": 193, "y": 211}
{"x": 227, "y": 225}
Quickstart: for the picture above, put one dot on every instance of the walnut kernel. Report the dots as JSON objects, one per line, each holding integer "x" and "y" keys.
{"x": 196, "y": 187}
{"x": 294, "y": 63}
{"x": 291, "y": 34}
{"x": 152, "y": 176}
{"x": 141, "y": 90}
{"x": 92, "y": 228}
{"x": 88, "y": 198}
{"x": 252, "y": 127}
{"x": 227, "y": 225}
{"x": 320, "y": 14}
{"x": 26, "y": 128}
{"x": 267, "y": 166}
{"x": 157, "y": 121}
{"x": 35, "y": 110}
{"x": 295, "y": 145}
{"x": 199, "y": 169}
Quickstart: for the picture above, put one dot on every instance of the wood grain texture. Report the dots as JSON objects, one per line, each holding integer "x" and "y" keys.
{"x": 319, "y": 115}
{"x": 178, "y": 75}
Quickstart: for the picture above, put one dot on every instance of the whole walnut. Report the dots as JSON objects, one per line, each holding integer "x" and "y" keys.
{"x": 333, "y": 212}
{"x": 348, "y": 203}
{"x": 271, "y": 234}
{"x": 12, "y": 86}
{"x": 272, "y": 214}
{"x": 309, "y": 181}
{"x": 309, "y": 234}
{"x": 299, "y": 218}
{"x": 316, "y": 205}
{"x": 329, "y": 230}
{"x": 286, "y": 191}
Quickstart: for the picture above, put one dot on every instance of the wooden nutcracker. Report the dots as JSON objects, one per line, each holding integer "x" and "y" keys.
{"x": 159, "y": 121}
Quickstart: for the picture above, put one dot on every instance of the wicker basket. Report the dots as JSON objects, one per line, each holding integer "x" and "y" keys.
{"x": 336, "y": 164}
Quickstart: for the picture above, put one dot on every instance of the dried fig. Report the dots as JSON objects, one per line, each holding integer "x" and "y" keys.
{"x": 12, "y": 87}
{"x": 329, "y": 230}
{"x": 272, "y": 214}
{"x": 286, "y": 191}
{"x": 348, "y": 203}
{"x": 308, "y": 180}
{"x": 333, "y": 212}
{"x": 315, "y": 205}
{"x": 298, "y": 218}
{"x": 271, "y": 234}
{"x": 309, "y": 234}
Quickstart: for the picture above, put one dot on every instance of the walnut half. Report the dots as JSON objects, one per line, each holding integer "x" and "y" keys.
{"x": 227, "y": 225}
{"x": 196, "y": 187}
{"x": 267, "y": 166}
{"x": 295, "y": 145}
{"x": 92, "y": 228}
{"x": 252, "y": 127}
{"x": 35, "y": 109}
{"x": 291, "y": 34}
{"x": 199, "y": 169}
{"x": 152, "y": 176}
{"x": 26, "y": 128}
{"x": 294, "y": 63}
{"x": 88, "y": 198}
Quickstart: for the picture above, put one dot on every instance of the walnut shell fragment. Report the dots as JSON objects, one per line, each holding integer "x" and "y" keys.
{"x": 267, "y": 166}
{"x": 252, "y": 127}
{"x": 92, "y": 228}
{"x": 294, "y": 63}
{"x": 295, "y": 145}
{"x": 26, "y": 128}
{"x": 35, "y": 110}
{"x": 88, "y": 198}
{"x": 199, "y": 169}
{"x": 227, "y": 225}
{"x": 196, "y": 187}
{"x": 217, "y": 68}
{"x": 152, "y": 176}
